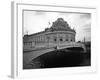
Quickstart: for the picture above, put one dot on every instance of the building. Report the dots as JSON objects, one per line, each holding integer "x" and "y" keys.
{"x": 59, "y": 34}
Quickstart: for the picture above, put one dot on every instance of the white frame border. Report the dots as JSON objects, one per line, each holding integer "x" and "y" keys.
{"x": 17, "y": 47}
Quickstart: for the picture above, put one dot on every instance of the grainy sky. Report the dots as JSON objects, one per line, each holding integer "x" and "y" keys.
{"x": 36, "y": 21}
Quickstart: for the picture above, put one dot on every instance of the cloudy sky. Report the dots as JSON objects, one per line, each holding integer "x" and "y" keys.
{"x": 36, "y": 21}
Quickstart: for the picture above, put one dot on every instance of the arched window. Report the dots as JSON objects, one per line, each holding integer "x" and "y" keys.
{"x": 71, "y": 40}
{"x": 66, "y": 39}
{"x": 61, "y": 39}
{"x": 55, "y": 40}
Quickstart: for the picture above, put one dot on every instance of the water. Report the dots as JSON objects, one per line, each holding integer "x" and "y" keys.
{"x": 60, "y": 58}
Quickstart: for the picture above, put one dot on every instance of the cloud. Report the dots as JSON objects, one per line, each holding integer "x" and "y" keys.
{"x": 39, "y": 13}
{"x": 87, "y": 29}
{"x": 85, "y": 16}
{"x": 87, "y": 25}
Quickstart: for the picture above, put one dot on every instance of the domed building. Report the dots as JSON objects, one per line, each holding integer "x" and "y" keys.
{"x": 58, "y": 35}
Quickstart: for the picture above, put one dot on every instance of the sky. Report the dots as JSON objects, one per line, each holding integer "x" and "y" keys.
{"x": 37, "y": 21}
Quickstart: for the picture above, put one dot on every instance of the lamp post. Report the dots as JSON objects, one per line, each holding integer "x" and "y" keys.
{"x": 48, "y": 40}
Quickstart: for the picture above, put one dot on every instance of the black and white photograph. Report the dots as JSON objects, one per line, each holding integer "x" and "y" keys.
{"x": 54, "y": 39}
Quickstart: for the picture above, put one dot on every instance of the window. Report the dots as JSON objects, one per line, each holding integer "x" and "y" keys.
{"x": 66, "y": 39}
{"x": 55, "y": 39}
{"x": 48, "y": 37}
{"x": 61, "y": 39}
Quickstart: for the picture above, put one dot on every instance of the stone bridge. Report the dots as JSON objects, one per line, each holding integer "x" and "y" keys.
{"x": 28, "y": 55}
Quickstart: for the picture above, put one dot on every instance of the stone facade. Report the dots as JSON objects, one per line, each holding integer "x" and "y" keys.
{"x": 58, "y": 34}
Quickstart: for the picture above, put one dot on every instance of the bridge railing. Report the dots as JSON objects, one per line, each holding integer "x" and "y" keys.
{"x": 58, "y": 45}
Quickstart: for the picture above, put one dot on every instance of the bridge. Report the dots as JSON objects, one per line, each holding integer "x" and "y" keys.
{"x": 31, "y": 54}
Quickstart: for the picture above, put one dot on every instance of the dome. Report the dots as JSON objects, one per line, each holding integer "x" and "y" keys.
{"x": 61, "y": 24}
